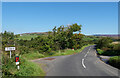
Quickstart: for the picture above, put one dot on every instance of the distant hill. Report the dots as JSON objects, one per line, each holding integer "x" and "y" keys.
{"x": 108, "y": 35}
{"x": 37, "y": 33}
{"x": 116, "y": 36}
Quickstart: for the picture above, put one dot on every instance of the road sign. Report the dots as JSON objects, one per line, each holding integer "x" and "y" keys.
{"x": 9, "y": 48}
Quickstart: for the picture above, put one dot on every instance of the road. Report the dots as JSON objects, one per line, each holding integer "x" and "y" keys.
{"x": 85, "y": 63}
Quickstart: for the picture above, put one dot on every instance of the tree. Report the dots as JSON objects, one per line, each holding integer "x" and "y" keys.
{"x": 104, "y": 42}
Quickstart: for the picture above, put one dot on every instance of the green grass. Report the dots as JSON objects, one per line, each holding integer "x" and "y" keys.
{"x": 108, "y": 53}
{"x": 36, "y": 55}
{"x": 68, "y": 51}
{"x": 115, "y": 61}
{"x": 27, "y": 37}
{"x": 32, "y": 55}
{"x": 100, "y": 51}
{"x": 27, "y": 68}
{"x": 91, "y": 38}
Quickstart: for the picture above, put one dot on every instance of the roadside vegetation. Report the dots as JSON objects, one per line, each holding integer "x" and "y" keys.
{"x": 36, "y": 55}
{"x": 115, "y": 61}
{"x": 27, "y": 68}
{"x": 107, "y": 47}
{"x": 59, "y": 41}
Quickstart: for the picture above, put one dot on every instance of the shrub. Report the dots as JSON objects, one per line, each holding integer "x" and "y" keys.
{"x": 8, "y": 67}
{"x": 115, "y": 61}
{"x": 44, "y": 48}
{"x": 100, "y": 51}
{"x": 52, "y": 53}
{"x": 104, "y": 42}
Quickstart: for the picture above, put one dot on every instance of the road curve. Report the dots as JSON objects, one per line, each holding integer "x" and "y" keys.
{"x": 84, "y": 63}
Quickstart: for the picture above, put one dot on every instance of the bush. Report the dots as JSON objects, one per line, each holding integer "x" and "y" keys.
{"x": 52, "y": 53}
{"x": 8, "y": 67}
{"x": 104, "y": 42}
{"x": 115, "y": 61}
{"x": 44, "y": 48}
{"x": 111, "y": 50}
{"x": 23, "y": 49}
{"x": 100, "y": 51}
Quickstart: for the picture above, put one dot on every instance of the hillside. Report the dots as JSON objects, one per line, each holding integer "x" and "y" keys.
{"x": 115, "y": 36}
{"x": 37, "y": 33}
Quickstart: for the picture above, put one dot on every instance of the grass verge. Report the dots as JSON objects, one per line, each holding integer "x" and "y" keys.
{"x": 36, "y": 55}
{"x": 31, "y": 56}
{"x": 27, "y": 68}
{"x": 115, "y": 61}
{"x": 67, "y": 51}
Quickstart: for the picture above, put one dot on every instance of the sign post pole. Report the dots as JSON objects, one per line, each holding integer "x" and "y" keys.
{"x": 10, "y": 54}
{"x": 18, "y": 67}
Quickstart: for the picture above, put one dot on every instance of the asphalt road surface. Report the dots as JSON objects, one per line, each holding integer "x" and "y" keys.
{"x": 85, "y": 63}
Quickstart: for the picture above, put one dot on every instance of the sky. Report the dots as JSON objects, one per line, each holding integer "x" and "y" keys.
{"x": 95, "y": 17}
{"x": 60, "y": 0}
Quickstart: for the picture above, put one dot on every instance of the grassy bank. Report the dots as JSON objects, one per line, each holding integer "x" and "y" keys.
{"x": 108, "y": 52}
{"x": 36, "y": 55}
{"x": 33, "y": 55}
{"x": 115, "y": 61}
{"x": 27, "y": 68}
{"x": 69, "y": 51}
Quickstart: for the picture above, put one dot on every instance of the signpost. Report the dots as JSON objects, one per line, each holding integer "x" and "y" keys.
{"x": 9, "y": 49}
{"x": 16, "y": 58}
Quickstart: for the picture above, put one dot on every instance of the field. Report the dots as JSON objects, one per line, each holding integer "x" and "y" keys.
{"x": 116, "y": 42}
{"x": 27, "y": 36}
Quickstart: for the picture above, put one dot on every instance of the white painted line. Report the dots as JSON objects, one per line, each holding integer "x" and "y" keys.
{"x": 89, "y": 48}
{"x": 87, "y": 52}
{"x": 83, "y": 63}
{"x": 83, "y": 59}
{"x": 85, "y": 55}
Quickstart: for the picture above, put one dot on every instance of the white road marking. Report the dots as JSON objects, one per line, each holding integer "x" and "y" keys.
{"x": 83, "y": 63}
{"x": 85, "y": 56}
{"x": 87, "y": 52}
{"x": 89, "y": 49}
